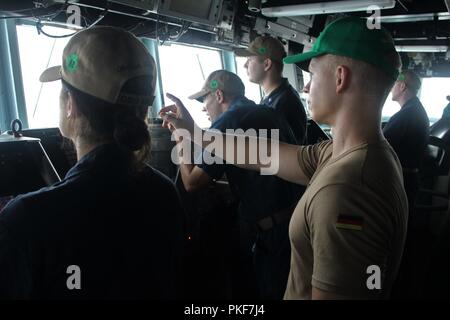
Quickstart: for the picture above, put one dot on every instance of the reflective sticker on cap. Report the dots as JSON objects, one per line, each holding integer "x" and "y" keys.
{"x": 214, "y": 84}
{"x": 401, "y": 77}
{"x": 72, "y": 62}
{"x": 262, "y": 50}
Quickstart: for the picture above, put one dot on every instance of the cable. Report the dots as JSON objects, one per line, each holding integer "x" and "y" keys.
{"x": 404, "y": 7}
{"x": 40, "y": 30}
{"x": 40, "y": 90}
{"x": 25, "y": 17}
{"x": 136, "y": 26}
{"x": 183, "y": 29}
{"x": 34, "y": 15}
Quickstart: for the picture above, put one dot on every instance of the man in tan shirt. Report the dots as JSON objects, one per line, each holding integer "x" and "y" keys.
{"x": 348, "y": 230}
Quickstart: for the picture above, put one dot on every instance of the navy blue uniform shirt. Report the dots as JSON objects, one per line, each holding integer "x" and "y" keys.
{"x": 287, "y": 102}
{"x": 122, "y": 229}
{"x": 260, "y": 195}
{"x": 408, "y": 132}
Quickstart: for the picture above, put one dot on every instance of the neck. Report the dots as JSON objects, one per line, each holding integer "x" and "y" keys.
{"x": 353, "y": 127}
{"x": 402, "y": 100}
{"x": 270, "y": 83}
{"x": 83, "y": 147}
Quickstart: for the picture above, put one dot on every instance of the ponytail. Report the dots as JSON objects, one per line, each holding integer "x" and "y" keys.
{"x": 131, "y": 131}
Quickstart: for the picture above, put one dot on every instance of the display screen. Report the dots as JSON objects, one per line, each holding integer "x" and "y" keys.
{"x": 24, "y": 166}
{"x": 4, "y": 201}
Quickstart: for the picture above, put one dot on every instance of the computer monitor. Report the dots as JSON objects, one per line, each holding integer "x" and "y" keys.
{"x": 200, "y": 11}
{"x": 60, "y": 150}
{"x": 4, "y": 201}
{"x": 24, "y": 166}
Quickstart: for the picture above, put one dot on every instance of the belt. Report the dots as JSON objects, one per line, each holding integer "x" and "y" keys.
{"x": 279, "y": 217}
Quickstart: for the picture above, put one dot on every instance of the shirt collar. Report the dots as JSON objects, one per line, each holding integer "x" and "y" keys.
{"x": 234, "y": 105}
{"x": 411, "y": 103}
{"x": 283, "y": 85}
{"x": 239, "y": 102}
{"x": 104, "y": 157}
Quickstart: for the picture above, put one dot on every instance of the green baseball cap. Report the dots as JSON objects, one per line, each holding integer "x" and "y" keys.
{"x": 350, "y": 37}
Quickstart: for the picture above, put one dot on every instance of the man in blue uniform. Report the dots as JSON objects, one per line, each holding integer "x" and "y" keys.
{"x": 408, "y": 130}
{"x": 266, "y": 202}
{"x": 265, "y": 67}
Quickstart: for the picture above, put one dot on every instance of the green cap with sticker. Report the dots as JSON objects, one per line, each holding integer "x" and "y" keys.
{"x": 265, "y": 46}
{"x": 351, "y": 37}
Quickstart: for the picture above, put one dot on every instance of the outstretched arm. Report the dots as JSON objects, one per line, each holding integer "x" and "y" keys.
{"x": 279, "y": 158}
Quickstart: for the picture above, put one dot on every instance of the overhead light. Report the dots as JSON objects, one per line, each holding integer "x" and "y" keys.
{"x": 326, "y": 7}
{"x": 421, "y": 48}
{"x": 412, "y": 39}
{"x": 415, "y": 17}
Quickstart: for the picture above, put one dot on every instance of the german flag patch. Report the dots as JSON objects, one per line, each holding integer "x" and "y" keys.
{"x": 349, "y": 222}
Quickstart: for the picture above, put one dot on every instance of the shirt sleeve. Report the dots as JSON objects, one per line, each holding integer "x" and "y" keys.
{"x": 310, "y": 157}
{"x": 345, "y": 243}
{"x": 214, "y": 169}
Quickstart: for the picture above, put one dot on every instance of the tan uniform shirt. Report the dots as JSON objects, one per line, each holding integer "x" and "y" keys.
{"x": 353, "y": 215}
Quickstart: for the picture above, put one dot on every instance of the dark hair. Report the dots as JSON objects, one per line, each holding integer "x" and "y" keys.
{"x": 123, "y": 124}
{"x": 412, "y": 80}
{"x": 278, "y": 65}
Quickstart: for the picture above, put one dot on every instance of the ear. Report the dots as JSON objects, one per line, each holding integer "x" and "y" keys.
{"x": 267, "y": 64}
{"x": 402, "y": 86}
{"x": 71, "y": 107}
{"x": 342, "y": 75}
{"x": 219, "y": 96}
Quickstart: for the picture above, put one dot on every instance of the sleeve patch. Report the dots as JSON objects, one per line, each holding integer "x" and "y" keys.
{"x": 350, "y": 222}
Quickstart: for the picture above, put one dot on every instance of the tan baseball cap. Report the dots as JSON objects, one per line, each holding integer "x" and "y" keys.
{"x": 223, "y": 80}
{"x": 100, "y": 60}
{"x": 264, "y": 46}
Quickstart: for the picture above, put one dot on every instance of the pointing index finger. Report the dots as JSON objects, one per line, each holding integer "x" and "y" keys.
{"x": 173, "y": 98}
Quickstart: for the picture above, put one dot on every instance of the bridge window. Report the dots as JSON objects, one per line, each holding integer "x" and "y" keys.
{"x": 252, "y": 90}
{"x": 433, "y": 96}
{"x": 389, "y": 109}
{"x": 37, "y": 52}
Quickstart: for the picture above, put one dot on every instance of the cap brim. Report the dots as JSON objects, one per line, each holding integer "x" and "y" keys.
{"x": 51, "y": 74}
{"x": 199, "y": 95}
{"x": 243, "y": 53}
{"x": 302, "y": 59}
